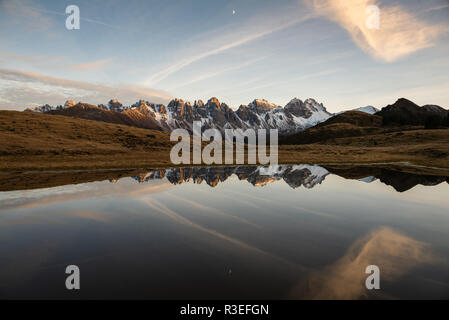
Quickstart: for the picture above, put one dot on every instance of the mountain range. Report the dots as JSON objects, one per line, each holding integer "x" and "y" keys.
{"x": 298, "y": 122}
{"x": 295, "y": 116}
{"x": 47, "y": 140}
{"x": 307, "y": 176}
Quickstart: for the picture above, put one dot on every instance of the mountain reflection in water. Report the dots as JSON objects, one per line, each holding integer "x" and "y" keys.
{"x": 295, "y": 176}
{"x": 241, "y": 232}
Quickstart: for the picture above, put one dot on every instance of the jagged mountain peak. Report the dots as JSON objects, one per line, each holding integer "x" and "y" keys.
{"x": 40, "y": 109}
{"x": 259, "y": 114}
{"x": 114, "y": 105}
{"x": 213, "y": 100}
{"x": 142, "y": 107}
{"x": 69, "y": 103}
{"x": 306, "y": 109}
{"x": 140, "y": 103}
{"x": 295, "y": 100}
{"x": 213, "y": 103}
{"x": 198, "y": 104}
{"x": 315, "y": 105}
{"x": 261, "y": 105}
{"x": 296, "y": 107}
{"x": 175, "y": 101}
{"x": 311, "y": 101}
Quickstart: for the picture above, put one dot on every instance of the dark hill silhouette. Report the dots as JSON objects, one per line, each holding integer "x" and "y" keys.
{"x": 405, "y": 112}
{"x": 401, "y": 116}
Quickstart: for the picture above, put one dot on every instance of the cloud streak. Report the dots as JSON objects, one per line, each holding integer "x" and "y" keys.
{"x": 58, "y": 62}
{"x": 23, "y": 89}
{"x": 159, "y": 207}
{"x": 300, "y": 78}
{"x": 437, "y": 8}
{"x": 92, "y": 65}
{"x": 163, "y": 74}
{"x": 400, "y": 34}
{"x": 209, "y": 75}
{"x": 82, "y": 19}
{"x": 32, "y": 18}
{"x": 35, "y": 18}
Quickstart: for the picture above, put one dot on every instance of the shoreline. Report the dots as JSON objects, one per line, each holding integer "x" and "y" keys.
{"x": 39, "y": 179}
{"x": 403, "y": 164}
{"x": 158, "y": 160}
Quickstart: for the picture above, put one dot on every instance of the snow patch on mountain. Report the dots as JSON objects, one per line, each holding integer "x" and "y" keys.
{"x": 296, "y": 116}
{"x": 366, "y": 109}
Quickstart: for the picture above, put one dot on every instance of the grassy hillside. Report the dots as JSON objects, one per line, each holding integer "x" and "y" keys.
{"x": 33, "y": 141}
{"x": 359, "y": 137}
{"x": 29, "y": 139}
{"x": 347, "y": 124}
{"x": 91, "y": 112}
{"x": 351, "y": 124}
{"x": 356, "y": 118}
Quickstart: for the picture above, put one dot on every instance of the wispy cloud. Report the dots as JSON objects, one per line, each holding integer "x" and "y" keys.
{"x": 92, "y": 65}
{"x": 327, "y": 58}
{"x": 21, "y": 89}
{"x": 161, "y": 75}
{"x": 401, "y": 33}
{"x": 275, "y": 84}
{"x": 175, "y": 216}
{"x": 437, "y": 8}
{"x": 58, "y": 62}
{"x": 34, "y": 15}
{"x": 207, "y": 210}
{"x": 125, "y": 188}
{"x": 81, "y": 18}
{"x": 209, "y": 75}
{"x": 31, "y": 59}
{"x": 30, "y": 17}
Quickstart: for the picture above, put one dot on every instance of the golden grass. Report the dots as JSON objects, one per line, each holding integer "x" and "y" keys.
{"x": 48, "y": 142}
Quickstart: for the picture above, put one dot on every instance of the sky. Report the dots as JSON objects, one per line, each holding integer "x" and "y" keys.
{"x": 234, "y": 50}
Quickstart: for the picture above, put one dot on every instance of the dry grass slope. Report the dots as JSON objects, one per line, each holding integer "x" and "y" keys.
{"x": 48, "y": 142}
{"x": 32, "y": 140}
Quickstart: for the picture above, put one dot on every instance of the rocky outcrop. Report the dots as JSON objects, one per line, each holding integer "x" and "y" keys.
{"x": 69, "y": 103}
{"x": 258, "y": 114}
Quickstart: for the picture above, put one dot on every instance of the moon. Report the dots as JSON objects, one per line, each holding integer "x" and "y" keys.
{"x": 233, "y": 12}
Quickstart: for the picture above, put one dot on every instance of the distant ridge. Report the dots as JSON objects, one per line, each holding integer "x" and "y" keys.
{"x": 297, "y": 115}
{"x": 366, "y": 109}
{"x": 405, "y": 112}
{"x": 402, "y": 115}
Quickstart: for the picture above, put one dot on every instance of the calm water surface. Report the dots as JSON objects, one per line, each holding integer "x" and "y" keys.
{"x": 295, "y": 232}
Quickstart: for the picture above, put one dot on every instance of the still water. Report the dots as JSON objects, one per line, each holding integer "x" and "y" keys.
{"x": 285, "y": 232}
